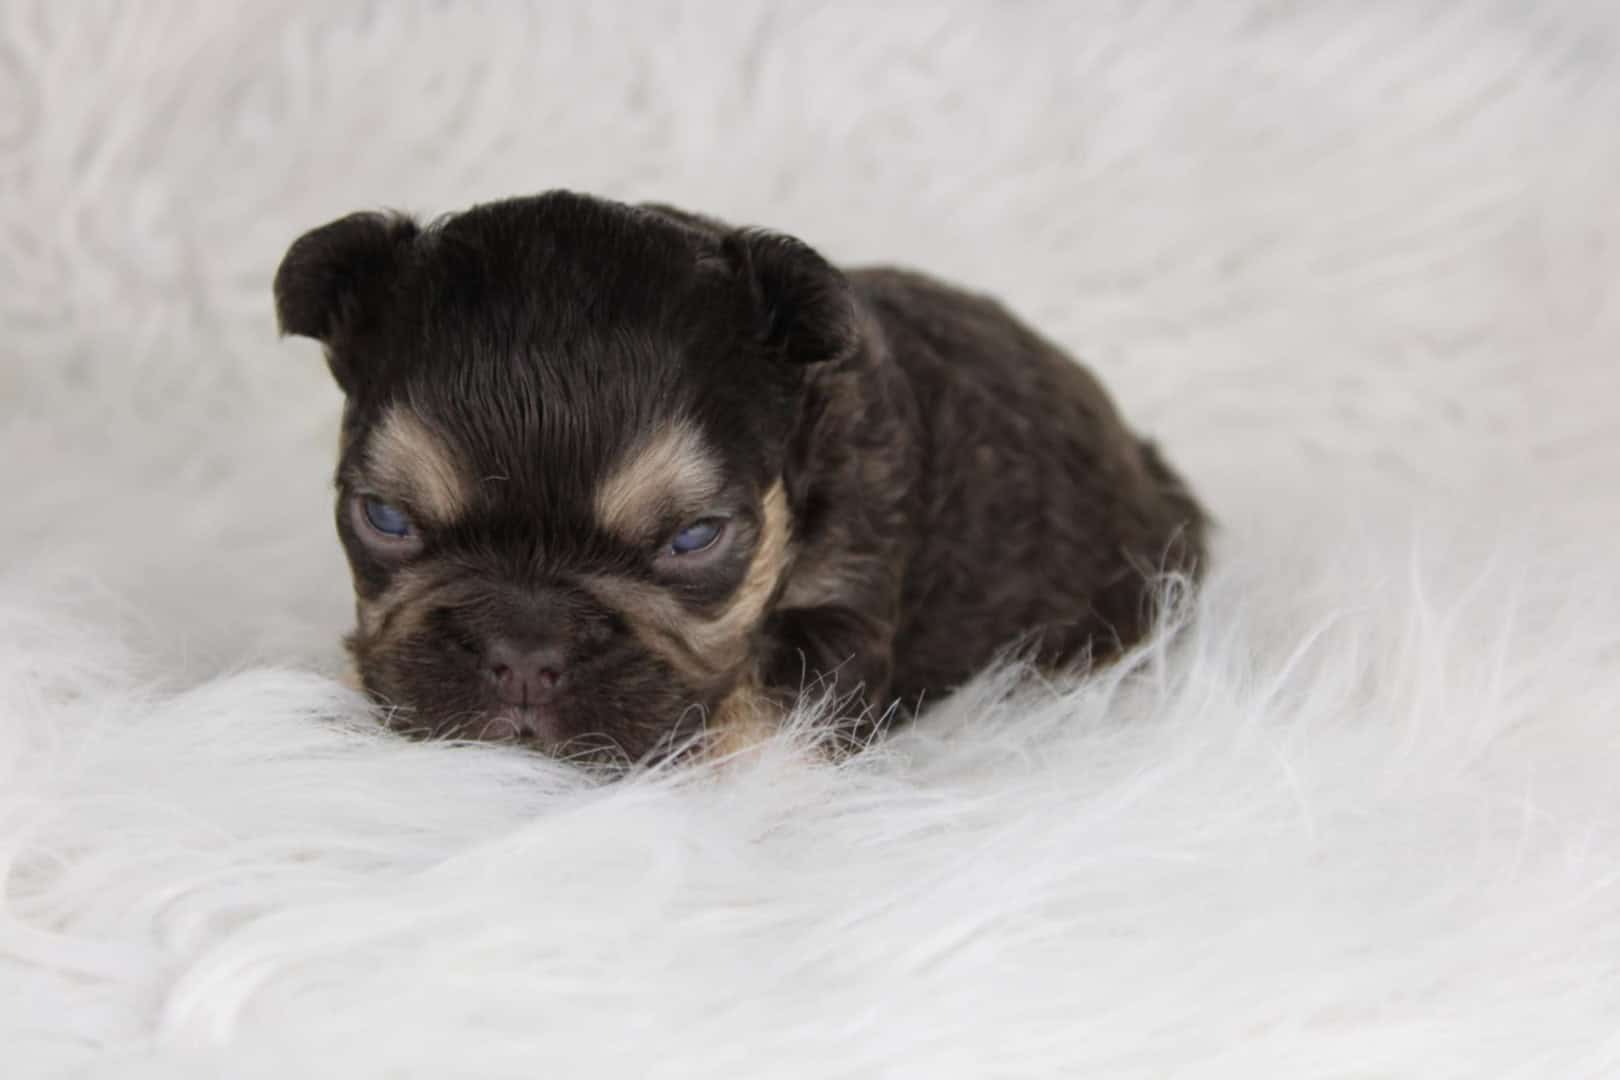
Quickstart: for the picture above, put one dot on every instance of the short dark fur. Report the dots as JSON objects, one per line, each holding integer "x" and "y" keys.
{"x": 956, "y": 485}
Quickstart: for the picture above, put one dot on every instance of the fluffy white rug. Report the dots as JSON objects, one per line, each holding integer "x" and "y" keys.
{"x": 1357, "y": 266}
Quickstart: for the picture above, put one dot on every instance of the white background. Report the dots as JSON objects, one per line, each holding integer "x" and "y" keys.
{"x": 1356, "y": 266}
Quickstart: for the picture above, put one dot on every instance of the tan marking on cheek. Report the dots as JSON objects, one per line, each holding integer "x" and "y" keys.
{"x": 365, "y": 617}
{"x": 398, "y": 614}
{"x": 404, "y": 455}
{"x": 674, "y": 465}
{"x": 709, "y": 651}
{"x": 765, "y": 572}
{"x": 661, "y": 626}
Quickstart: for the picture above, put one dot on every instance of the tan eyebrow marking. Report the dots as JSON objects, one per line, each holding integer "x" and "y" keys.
{"x": 405, "y": 456}
{"x": 673, "y": 465}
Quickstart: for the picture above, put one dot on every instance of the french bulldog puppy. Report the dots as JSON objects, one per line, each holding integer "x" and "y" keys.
{"x": 615, "y": 476}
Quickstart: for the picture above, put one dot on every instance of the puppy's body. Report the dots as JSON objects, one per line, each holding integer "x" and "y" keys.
{"x": 613, "y": 473}
{"x": 1028, "y": 513}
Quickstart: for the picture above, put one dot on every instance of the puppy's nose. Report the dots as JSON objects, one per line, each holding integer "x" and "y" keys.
{"x": 524, "y": 674}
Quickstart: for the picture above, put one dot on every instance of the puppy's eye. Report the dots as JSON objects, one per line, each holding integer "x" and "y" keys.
{"x": 388, "y": 520}
{"x": 697, "y": 536}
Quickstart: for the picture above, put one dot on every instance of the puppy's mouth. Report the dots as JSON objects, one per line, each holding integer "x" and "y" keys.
{"x": 521, "y": 723}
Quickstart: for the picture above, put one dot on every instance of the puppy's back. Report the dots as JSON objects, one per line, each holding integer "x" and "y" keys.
{"x": 1037, "y": 513}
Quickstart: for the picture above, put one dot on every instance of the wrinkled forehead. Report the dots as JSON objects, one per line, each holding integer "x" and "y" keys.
{"x": 603, "y": 473}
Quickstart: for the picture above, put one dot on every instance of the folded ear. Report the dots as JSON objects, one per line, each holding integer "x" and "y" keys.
{"x": 331, "y": 275}
{"x": 806, "y": 306}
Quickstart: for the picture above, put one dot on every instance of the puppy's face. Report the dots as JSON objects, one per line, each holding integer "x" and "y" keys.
{"x": 560, "y": 486}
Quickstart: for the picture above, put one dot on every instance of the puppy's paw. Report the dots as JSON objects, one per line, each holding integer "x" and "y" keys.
{"x": 744, "y": 721}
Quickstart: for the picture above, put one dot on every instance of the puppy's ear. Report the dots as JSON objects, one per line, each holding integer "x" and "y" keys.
{"x": 806, "y": 307}
{"x": 331, "y": 275}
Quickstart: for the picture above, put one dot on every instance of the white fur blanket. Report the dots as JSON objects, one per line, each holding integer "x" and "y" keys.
{"x": 1356, "y": 266}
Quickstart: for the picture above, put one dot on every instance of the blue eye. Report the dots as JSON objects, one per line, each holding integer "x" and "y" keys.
{"x": 386, "y": 519}
{"x": 697, "y": 536}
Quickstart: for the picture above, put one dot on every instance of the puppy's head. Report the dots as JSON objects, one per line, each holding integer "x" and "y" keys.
{"x": 560, "y": 479}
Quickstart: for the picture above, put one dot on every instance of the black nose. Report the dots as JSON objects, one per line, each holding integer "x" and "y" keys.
{"x": 524, "y": 674}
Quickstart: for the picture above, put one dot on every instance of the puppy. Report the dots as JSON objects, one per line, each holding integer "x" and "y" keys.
{"x": 611, "y": 476}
